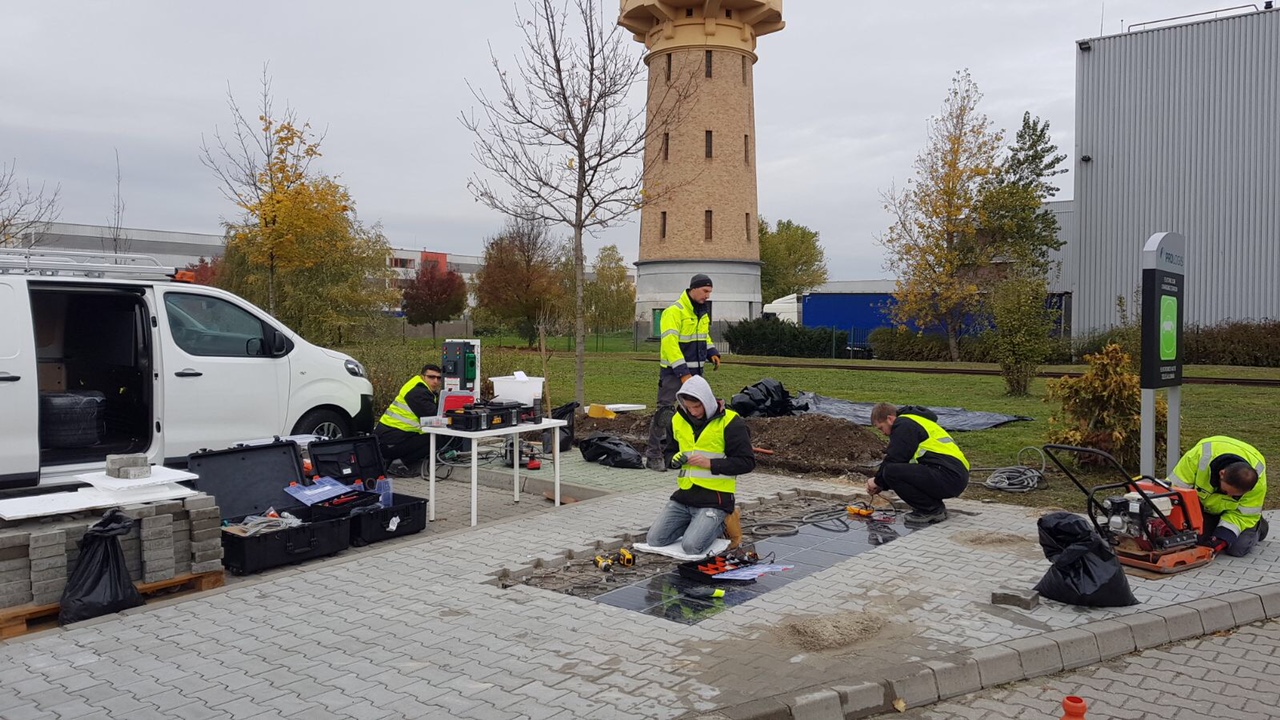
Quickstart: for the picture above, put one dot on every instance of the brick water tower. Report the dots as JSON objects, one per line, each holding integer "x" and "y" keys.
{"x": 700, "y": 160}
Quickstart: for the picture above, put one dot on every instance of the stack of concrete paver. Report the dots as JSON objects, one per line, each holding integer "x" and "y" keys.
{"x": 169, "y": 539}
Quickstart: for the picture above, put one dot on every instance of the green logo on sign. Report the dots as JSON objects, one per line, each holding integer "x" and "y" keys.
{"x": 1168, "y": 327}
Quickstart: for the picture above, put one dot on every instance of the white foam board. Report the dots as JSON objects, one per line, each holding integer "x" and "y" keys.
{"x": 160, "y": 475}
{"x": 86, "y": 499}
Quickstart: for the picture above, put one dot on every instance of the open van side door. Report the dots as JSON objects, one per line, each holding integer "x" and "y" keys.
{"x": 19, "y": 388}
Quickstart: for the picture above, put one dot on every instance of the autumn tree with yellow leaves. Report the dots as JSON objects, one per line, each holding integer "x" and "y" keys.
{"x": 297, "y": 248}
{"x": 934, "y": 247}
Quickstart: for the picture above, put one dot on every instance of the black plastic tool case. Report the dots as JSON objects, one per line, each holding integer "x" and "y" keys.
{"x": 360, "y": 458}
{"x": 248, "y": 481}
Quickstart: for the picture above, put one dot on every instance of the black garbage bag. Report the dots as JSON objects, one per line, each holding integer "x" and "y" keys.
{"x": 565, "y": 434}
{"x": 610, "y": 450}
{"x": 1085, "y": 569}
{"x": 100, "y": 583}
{"x": 767, "y": 398}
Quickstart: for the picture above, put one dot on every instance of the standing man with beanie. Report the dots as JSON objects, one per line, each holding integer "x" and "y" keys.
{"x": 922, "y": 464}
{"x": 686, "y": 350}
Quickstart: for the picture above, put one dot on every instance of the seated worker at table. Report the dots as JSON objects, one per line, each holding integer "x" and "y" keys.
{"x": 711, "y": 446}
{"x": 399, "y": 431}
{"x": 1230, "y": 476}
{"x": 922, "y": 464}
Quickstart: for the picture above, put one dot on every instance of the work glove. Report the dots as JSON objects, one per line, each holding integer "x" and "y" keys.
{"x": 678, "y": 460}
{"x": 715, "y": 360}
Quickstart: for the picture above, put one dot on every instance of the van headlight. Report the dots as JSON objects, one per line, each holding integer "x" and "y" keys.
{"x": 355, "y": 368}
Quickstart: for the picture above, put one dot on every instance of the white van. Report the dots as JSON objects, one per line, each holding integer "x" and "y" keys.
{"x": 104, "y": 353}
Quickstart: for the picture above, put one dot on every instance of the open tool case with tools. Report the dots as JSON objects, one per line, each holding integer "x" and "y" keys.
{"x": 484, "y": 415}
{"x": 252, "y": 480}
{"x": 352, "y": 459}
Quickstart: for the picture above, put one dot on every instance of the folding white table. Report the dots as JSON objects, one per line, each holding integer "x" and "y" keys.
{"x": 474, "y": 435}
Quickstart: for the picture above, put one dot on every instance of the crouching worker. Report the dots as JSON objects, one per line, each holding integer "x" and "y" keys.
{"x": 399, "y": 430}
{"x": 922, "y": 464}
{"x": 1230, "y": 476}
{"x": 711, "y": 446}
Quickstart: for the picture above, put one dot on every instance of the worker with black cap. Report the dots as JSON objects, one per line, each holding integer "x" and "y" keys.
{"x": 686, "y": 350}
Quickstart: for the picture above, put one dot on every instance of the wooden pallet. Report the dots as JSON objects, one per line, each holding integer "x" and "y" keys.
{"x": 23, "y": 619}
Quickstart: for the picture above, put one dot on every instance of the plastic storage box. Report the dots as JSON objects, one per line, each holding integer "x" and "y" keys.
{"x": 251, "y": 480}
{"x": 360, "y": 458}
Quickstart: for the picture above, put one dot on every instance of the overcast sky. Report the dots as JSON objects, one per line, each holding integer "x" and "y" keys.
{"x": 843, "y": 95}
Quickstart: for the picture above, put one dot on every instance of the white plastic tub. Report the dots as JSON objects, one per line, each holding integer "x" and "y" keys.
{"x": 527, "y": 391}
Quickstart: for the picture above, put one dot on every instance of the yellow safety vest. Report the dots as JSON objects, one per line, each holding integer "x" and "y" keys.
{"x": 398, "y": 414}
{"x": 1193, "y": 471}
{"x": 938, "y": 441}
{"x": 711, "y": 444}
{"x": 686, "y": 338}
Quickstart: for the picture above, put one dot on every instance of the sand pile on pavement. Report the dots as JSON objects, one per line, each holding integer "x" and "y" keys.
{"x": 826, "y": 632}
{"x": 980, "y": 538}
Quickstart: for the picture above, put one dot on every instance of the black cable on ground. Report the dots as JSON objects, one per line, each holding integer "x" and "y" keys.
{"x": 1019, "y": 478}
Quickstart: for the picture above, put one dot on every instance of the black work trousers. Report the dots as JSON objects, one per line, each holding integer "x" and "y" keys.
{"x": 923, "y": 486}
{"x": 413, "y": 449}
{"x": 668, "y": 386}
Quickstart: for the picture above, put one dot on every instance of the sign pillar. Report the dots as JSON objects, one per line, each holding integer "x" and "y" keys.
{"x": 1164, "y": 258}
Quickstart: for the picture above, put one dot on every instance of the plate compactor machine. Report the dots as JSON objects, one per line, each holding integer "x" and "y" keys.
{"x": 1150, "y": 524}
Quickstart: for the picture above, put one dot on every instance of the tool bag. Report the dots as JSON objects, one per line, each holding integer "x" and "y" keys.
{"x": 610, "y": 450}
{"x": 1085, "y": 569}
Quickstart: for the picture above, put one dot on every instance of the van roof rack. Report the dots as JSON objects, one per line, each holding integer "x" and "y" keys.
{"x": 42, "y": 261}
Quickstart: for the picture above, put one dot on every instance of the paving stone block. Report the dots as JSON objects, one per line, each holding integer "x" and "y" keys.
{"x": 1024, "y": 598}
{"x": 1270, "y": 596}
{"x": 173, "y": 508}
{"x": 163, "y": 532}
{"x": 137, "y": 512}
{"x": 763, "y": 709}
{"x": 15, "y": 539}
{"x": 816, "y": 705}
{"x": 913, "y": 683}
{"x": 204, "y": 567}
{"x": 206, "y": 556}
{"x": 1114, "y": 638}
{"x": 955, "y": 675}
{"x": 45, "y": 539}
{"x": 863, "y": 700}
{"x": 151, "y": 576}
{"x": 14, "y": 599}
{"x": 18, "y": 565}
{"x": 1038, "y": 654}
{"x": 41, "y": 565}
{"x": 199, "y": 502}
{"x": 1246, "y": 607}
{"x": 165, "y": 520}
{"x": 1183, "y": 622}
{"x": 1149, "y": 630}
{"x": 133, "y": 473}
{"x": 1215, "y": 614}
{"x": 213, "y": 532}
{"x": 205, "y": 545}
{"x": 116, "y": 462}
{"x": 205, "y": 514}
{"x": 57, "y": 572}
{"x": 1078, "y": 647}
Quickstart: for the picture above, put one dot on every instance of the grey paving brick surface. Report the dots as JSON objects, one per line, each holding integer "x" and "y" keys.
{"x": 415, "y": 628}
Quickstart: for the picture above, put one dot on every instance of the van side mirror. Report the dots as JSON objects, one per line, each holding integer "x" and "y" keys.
{"x": 279, "y": 343}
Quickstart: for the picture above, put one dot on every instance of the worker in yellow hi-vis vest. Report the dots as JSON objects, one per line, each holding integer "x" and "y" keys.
{"x": 710, "y": 446}
{"x": 922, "y": 464}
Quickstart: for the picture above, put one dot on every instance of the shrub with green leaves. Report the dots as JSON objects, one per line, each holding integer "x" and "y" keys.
{"x": 1102, "y": 409}
{"x": 780, "y": 338}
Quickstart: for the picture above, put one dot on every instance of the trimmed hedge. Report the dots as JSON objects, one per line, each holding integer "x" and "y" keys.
{"x": 781, "y": 338}
{"x": 895, "y": 344}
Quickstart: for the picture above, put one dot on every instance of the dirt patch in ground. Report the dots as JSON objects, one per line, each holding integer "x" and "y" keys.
{"x": 979, "y": 538}
{"x": 828, "y": 632}
{"x": 809, "y": 443}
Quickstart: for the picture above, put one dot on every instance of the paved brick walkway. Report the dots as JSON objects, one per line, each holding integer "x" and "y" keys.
{"x": 1228, "y": 675}
{"x": 419, "y": 629}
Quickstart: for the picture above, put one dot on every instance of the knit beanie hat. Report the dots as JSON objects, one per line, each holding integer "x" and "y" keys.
{"x": 698, "y": 281}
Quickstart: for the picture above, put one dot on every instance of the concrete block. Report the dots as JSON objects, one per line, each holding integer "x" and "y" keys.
{"x": 134, "y": 473}
{"x": 116, "y": 462}
{"x": 1246, "y": 607}
{"x": 816, "y": 705}
{"x": 1114, "y": 638}
{"x": 55, "y": 573}
{"x": 1182, "y": 622}
{"x": 213, "y": 533}
{"x": 1023, "y": 598}
{"x": 1149, "y": 630}
{"x": 203, "y": 567}
{"x": 204, "y": 545}
{"x": 913, "y": 683}
{"x": 24, "y": 563}
{"x": 160, "y": 532}
{"x": 48, "y": 587}
{"x": 1270, "y": 595}
{"x": 863, "y": 700}
{"x": 763, "y": 709}
{"x": 205, "y": 525}
{"x": 1077, "y": 647}
{"x": 173, "y": 508}
{"x": 209, "y": 513}
{"x": 955, "y": 675}
{"x": 1038, "y": 654}
{"x": 14, "y": 599}
{"x": 50, "y": 538}
{"x": 137, "y": 512}
{"x": 206, "y": 556}
{"x": 42, "y": 565}
{"x": 15, "y": 539}
{"x": 199, "y": 502}
{"x": 997, "y": 665}
{"x": 1215, "y": 614}
{"x": 158, "y": 575}
{"x": 155, "y": 521}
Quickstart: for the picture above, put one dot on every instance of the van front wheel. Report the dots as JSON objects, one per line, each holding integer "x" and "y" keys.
{"x": 326, "y": 423}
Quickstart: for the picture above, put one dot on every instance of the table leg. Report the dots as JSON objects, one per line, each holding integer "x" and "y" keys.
{"x": 475, "y": 481}
{"x": 515, "y": 484}
{"x": 431, "y": 481}
{"x": 555, "y": 460}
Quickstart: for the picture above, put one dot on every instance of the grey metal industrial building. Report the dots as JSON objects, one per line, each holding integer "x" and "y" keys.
{"x": 1177, "y": 130}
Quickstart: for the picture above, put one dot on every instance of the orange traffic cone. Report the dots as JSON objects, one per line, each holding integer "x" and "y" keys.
{"x": 1073, "y": 708}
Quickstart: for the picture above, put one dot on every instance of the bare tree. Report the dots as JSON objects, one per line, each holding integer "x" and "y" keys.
{"x": 25, "y": 212}
{"x": 562, "y": 139}
{"x": 116, "y": 240}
